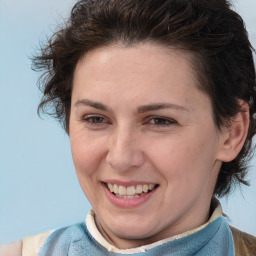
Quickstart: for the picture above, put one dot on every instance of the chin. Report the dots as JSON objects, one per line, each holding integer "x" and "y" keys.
{"x": 134, "y": 231}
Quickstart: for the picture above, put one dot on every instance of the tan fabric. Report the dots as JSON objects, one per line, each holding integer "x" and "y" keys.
{"x": 245, "y": 244}
{"x": 32, "y": 244}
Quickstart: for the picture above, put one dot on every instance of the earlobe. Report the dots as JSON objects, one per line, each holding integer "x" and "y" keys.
{"x": 233, "y": 138}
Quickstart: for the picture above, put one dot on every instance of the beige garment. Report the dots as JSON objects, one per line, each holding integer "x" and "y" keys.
{"x": 32, "y": 244}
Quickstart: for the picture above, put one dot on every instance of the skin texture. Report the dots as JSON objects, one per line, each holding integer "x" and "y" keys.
{"x": 177, "y": 146}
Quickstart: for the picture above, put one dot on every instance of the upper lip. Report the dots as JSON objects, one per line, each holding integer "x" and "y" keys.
{"x": 128, "y": 183}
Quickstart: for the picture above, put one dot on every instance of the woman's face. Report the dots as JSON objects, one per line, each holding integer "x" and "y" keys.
{"x": 139, "y": 123}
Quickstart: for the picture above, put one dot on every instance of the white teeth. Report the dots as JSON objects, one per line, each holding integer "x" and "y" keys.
{"x": 116, "y": 189}
{"x": 151, "y": 186}
{"x": 135, "y": 196}
{"x": 145, "y": 188}
{"x": 131, "y": 191}
{"x": 122, "y": 191}
{"x": 110, "y": 186}
{"x": 138, "y": 189}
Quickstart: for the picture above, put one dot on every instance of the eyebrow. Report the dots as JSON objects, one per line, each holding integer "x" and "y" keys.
{"x": 141, "y": 109}
{"x": 159, "y": 106}
{"x": 93, "y": 104}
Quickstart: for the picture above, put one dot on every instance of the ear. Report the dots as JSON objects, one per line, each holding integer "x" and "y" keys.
{"x": 232, "y": 138}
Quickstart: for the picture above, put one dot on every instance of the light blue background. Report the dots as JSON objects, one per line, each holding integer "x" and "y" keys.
{"x": 38, "y": 186}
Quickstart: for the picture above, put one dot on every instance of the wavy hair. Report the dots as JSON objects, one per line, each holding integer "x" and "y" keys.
{"x": 211, "y": 31}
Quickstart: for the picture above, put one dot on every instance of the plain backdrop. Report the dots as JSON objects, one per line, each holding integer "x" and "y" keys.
{"x": 38, "y": 187}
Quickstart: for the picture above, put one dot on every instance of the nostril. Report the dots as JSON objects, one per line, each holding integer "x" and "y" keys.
{"x": 123, "y": 160}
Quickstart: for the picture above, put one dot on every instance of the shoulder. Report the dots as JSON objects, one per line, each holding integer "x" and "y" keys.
{"x": 65, "y": 240}
{"x": 32, "y": 244}
{"x": 12, "y": 249}
{"x": 51, "y": 240}
{"x": 245, "y": 244}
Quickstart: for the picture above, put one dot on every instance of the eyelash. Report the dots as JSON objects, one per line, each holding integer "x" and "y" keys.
{"x": 164, "y": 122}
{"x": 93, "y": 120}
{"x": 158, "y": 121}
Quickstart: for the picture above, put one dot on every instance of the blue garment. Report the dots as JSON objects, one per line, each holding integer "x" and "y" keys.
{"x": 213, "y": 240}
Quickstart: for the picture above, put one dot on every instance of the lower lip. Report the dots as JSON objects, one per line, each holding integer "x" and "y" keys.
{"x": 128, "y": 202}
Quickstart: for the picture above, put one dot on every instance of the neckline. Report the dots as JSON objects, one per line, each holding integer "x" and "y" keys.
{"x": 93, "y": 230}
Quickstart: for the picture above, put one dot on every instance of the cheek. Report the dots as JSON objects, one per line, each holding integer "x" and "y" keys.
{"x": 86, "y": 157}
{"x": 184, "y": 160}
{"x": 85, "y": 150}
{"x": 86, "y": 166}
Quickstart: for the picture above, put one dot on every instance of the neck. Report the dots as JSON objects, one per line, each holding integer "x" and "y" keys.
{"x": 128, "y": 243}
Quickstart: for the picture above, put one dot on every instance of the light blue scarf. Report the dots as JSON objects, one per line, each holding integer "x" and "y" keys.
{"x": 213, "y": 240}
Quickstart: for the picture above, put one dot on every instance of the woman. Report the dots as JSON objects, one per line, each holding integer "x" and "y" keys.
{"x": 158, "y": 99}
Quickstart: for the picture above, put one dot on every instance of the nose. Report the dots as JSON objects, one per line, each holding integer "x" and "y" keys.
{"x": 124, "y": 153}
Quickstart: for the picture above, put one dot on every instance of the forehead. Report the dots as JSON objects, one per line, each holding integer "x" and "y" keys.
{"x": 147, "y": 72}
{"x": 130, "y": 62}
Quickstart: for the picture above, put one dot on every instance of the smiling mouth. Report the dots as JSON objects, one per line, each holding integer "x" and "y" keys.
{"x": 131, "y": 191}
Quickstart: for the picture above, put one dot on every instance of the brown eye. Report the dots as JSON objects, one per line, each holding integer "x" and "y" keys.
{"x": 161, "y": 121}
{"x": 95, "y": 119}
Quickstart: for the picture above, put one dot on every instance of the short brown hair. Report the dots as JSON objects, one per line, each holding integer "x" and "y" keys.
{"x": 210, "y": 30}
